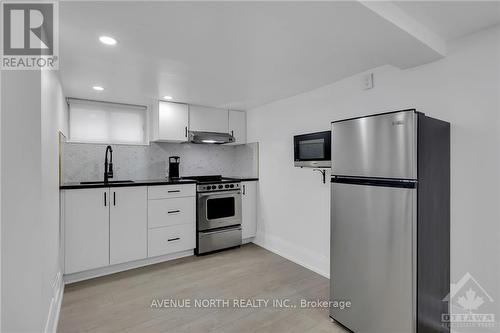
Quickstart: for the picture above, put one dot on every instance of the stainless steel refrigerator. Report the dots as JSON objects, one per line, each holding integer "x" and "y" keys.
{"x": 390, "y": 222}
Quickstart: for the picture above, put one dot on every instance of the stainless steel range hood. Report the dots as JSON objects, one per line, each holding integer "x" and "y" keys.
{"x": 210, "y": 137}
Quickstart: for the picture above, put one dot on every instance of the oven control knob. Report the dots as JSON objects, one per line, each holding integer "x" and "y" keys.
{"x": 231, "y": 186}
{"x": 213, "y": 187}
{"x": 227, "y": 186}
{"x": 220, "y": 186}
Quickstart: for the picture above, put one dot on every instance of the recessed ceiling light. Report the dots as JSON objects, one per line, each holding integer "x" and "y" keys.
{"x": 107, "y": 40}
{"x": 98, "y": 88}
{"x": 167, "y": 97}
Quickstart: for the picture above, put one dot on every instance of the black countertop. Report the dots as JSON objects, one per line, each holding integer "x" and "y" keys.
{"x": 147, "y": 182}
{"x": 247, "y": 179}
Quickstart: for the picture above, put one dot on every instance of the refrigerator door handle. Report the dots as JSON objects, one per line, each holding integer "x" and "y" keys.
{"x": 384, "y": 182}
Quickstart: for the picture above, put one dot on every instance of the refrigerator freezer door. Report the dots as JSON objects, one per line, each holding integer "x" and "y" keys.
{"x": 372, "y": 257}
{"x": 381, "y": 146}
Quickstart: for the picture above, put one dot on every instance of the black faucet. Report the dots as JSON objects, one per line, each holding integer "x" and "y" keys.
{"x": 108, "y": 167}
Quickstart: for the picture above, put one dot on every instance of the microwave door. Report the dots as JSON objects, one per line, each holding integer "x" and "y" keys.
{"x": 312, "y": 150}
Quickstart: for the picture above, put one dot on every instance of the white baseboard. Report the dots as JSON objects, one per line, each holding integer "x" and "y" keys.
{"x": 315, "y": 262}
{"x": 247, "y": 240}
{"x": 80, "y": 276}
{"x": 55, "y": 304}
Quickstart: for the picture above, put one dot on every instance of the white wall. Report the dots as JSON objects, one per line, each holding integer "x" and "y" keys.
{"x": 1, "y": 106}
{"x": 54, "y": 120}
{"x": 32, "y": 105}
{"x": 463, "y": 89}
{"x": 21, "y": 202}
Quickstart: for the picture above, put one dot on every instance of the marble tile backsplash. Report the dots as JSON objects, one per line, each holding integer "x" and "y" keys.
{"x": 85, "y": 162}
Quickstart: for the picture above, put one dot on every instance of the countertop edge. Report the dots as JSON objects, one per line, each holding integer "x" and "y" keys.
{"x": 249, "y": 179}
{"x": 77, "y": 186}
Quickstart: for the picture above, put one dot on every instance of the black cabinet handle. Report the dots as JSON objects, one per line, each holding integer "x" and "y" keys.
{"x": 114, "y": 198}
{"x": 174, "y": 191}
{"x": 105, "y": 201}
{"x": 244, "y": 189}
{"x": 173, "y": 239}
{"x": 173, "y": 211}
{"x": 186, "y": 131}
{"x": 232, "y": 133}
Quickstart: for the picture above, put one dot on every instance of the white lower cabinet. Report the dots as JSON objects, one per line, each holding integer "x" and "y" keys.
{"x": 171, "y": 239}
{"x": 86, "y": 229}
{"x": 171, "y": 220}
{"x": 127, "y": 224}
{"x": 109, "y": 226}
{"x": 167, "y": 212}
{"x": 171, "y": 191}
{"x": 248, "y": 209}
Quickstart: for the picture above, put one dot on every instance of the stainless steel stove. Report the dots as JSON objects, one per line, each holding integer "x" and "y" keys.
{"x": 218, "y": 216}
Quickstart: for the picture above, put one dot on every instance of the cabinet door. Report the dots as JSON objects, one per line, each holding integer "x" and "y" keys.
{"x": 86, "y": 229}
{"x": 238, "y": 126}
{"x": 128, "y": 224}
{"x": 173, "y": 120}
{"x": 206, "y": 119}
{"x": 249, "y": 209}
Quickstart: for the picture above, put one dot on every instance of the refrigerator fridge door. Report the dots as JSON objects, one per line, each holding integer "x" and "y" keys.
{"x": 372, "y": 259}
{"x": 381, "y": 146}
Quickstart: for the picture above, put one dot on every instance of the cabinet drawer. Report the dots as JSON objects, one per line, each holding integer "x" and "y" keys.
{"x": 168, "y": 212}
{"x": 171, "y": 239}
{"x": 171, "y": 191}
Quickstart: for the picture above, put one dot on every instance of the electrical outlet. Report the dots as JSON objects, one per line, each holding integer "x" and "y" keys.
{"x": 368, "y": 81}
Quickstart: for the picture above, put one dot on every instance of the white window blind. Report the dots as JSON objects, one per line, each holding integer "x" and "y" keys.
{"x": 101, "y": 122}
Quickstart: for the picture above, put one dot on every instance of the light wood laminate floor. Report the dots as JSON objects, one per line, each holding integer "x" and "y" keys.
{"x": 122, "y": 302}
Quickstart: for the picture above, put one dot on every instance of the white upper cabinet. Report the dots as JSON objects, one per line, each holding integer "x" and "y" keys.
{"x": 128, "y": 224}
{"x": 170, "y": 122}
{"x": 206, "y": 119}
{"x": 238, "y": 126}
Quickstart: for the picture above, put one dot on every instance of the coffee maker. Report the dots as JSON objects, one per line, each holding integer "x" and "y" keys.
{"x": 173, "y": 167}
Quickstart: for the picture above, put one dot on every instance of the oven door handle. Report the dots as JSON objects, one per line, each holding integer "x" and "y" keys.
{"x": 231, "y": 193}
{"x": 204, "y": 233}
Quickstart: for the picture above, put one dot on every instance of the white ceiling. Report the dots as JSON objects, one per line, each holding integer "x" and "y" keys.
{"x": 227, "y": 54}
{"x": 453, "y": 19}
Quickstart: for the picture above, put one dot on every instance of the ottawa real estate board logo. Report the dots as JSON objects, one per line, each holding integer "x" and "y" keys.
{"x": 30, "y": 35}
{"x": 471, "y": 307}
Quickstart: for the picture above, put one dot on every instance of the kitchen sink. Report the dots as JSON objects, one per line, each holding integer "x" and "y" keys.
{"x": 108, "y": 182}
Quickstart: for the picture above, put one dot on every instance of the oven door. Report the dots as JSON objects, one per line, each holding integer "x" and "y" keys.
{"x": 219, "y": 209}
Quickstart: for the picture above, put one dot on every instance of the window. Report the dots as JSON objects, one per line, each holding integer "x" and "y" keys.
{"x": 111, "y": 123}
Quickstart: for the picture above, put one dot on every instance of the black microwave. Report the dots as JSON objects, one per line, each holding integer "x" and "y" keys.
{"x": 313, "y": 150}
